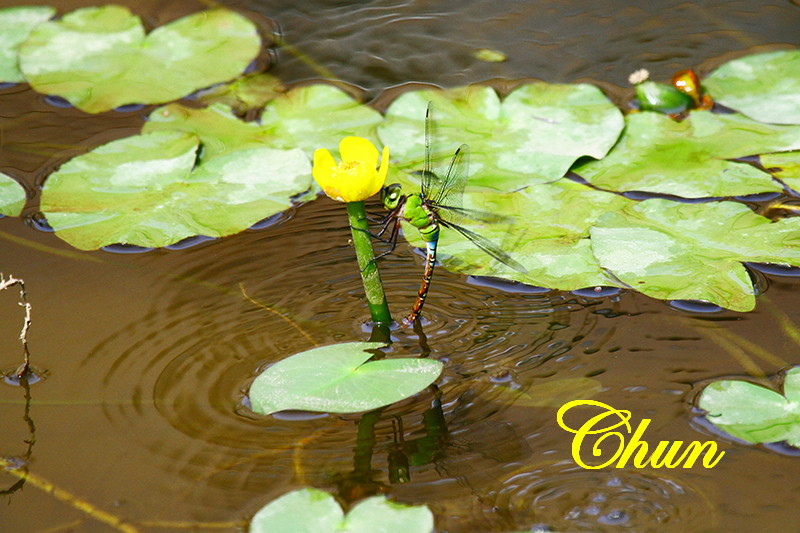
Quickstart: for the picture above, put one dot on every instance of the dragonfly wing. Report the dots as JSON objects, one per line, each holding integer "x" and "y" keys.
{"x": 446, "y": 187}
{"x": 487, "y": 246}
{"x": 453, "y": 214}
{"x": 451, "y": 188}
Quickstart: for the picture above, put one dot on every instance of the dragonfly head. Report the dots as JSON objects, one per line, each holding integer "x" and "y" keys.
{"x": 391, "y": 196}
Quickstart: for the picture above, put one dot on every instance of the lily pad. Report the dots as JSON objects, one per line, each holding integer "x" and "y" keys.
{"x": 784, "y": 165}
{"x": 12, "y": 196}
{"x": 671, "y": 250}
{"x": 533, "y": 136}
{"x": 337, "y": 379}
{"x": 690, "y": 158}
{"x": 315, "y": 511}
{"x": 547, "y": 232}
{"x": 764, "y": 87}
{"x": 99, "y": 58}
{"x": 16, "y": 23}
{"x": 310, "y": 117}
{"x": 144, "y": 190}
{"x": 753, "y": 413}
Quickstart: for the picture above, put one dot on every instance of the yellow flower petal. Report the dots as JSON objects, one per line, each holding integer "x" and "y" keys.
{"x": 358, "y": 149}
{"x": 324, "y": 165}
{"x": 384, "y": 165}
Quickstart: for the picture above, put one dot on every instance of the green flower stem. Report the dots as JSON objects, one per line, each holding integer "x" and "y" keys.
{"x": 370, "y": 276}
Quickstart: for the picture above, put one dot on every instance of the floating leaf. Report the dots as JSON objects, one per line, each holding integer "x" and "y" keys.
{"x": 554, "y": 393}
{"x": 142, "y": 190}
{"x": 99, "y": 58}
{"x": 12, "y": 196}
{"x": 753, "y": 413}
{"x": 671, "y": 250}
{"x": 16, "y": 23}
{"x": 689, "y": 158}
{"x": 337, "y": 379}
{"x": 533, "y": 136}
{"x": 315, "y": 511}
{"x": 764, "y": 87}
{"x": 310, "y": 117}
{"x": 785, "y": 165}
{"x": 548, "y": 234}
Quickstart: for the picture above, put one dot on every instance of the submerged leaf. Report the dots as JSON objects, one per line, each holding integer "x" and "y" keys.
{"x": 533, "y": 136}
{"x": 690, "y": 158}
{"x": 754, "y": 413}
{"x": 671, "y": 250}
{"x": 337, "y": 379}
{"x": 143, "y": 190}
{"x": 764, "y": 87}
{"x": 16, "y": 23}
{"x": 553, "y": 393}
{"x": 315, "y": 511}
{"x": 99, "y": 58}
{"x": 12, "y": 196}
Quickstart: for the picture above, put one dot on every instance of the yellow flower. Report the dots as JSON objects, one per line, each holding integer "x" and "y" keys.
{"x": 357, "y": 177}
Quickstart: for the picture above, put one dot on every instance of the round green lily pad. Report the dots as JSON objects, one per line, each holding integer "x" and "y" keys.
{"x": 764, "y": 87}
{"x": 692, "y": 158}
{"x": 533, "y": 136}
{"x": 99, "y": 58}
{"x": 145, "y": 190}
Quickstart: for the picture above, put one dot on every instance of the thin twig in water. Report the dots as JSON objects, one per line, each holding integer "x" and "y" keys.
{"x": 273, "y": 311}
{"x": 24, "y": 369}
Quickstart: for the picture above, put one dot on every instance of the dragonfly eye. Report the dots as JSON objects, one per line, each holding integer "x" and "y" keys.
{"x": 391, "y": 194}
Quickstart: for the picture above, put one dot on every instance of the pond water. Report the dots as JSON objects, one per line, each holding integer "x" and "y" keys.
{"x": 142, "y": 415}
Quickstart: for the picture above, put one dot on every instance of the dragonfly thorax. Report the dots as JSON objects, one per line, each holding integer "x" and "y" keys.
{"x": 417, "y": 213}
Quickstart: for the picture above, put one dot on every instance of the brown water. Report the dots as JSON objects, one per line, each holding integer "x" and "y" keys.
{"x": 147, "y": 355}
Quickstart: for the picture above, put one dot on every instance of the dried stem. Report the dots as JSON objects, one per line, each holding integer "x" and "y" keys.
{"x": 24, "y": 369}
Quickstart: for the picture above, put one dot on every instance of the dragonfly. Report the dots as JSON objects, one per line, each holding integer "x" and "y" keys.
{"x": 438, "y": 206}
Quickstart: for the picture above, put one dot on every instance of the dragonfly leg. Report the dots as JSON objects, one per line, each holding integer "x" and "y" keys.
{"x": 392, "y": 239}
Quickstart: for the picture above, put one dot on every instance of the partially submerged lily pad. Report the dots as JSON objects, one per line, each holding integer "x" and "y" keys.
{"x": 764, "y": 87}
{"x": 99, "y": 58}
{"x": 676, "y": 251}
{"x": 338, "y": 379}
{"x": 315, "y": 511}
{"x": 12, "y": 196}
{"x": 16, "y": 23}
{"x": 691, "y": 158}
{"x": 753, "y": 413}
{"x": 145, "y": 190}
{"x": 532, "y": 136}
{"x": 309, "y": 117}
{"x": 245, "y": 94}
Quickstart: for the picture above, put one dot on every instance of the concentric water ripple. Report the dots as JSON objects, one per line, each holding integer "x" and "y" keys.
{"x": 572, "y": 499}
{"x": 177, "y": 378}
